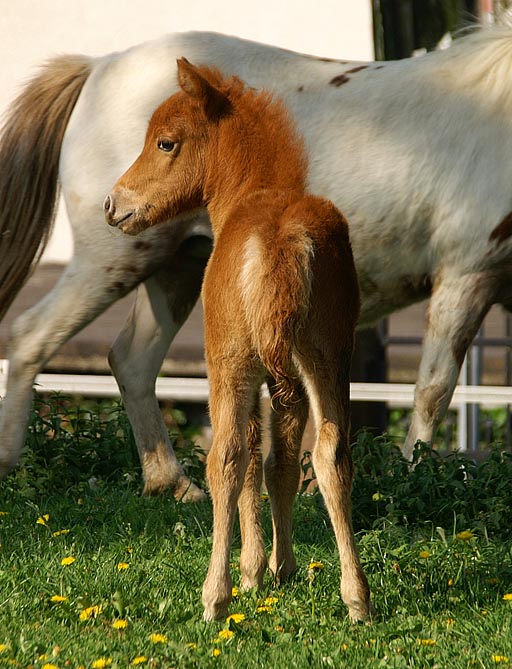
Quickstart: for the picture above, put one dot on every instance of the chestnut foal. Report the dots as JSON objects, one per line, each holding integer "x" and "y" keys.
{"x": 280, "y": 297}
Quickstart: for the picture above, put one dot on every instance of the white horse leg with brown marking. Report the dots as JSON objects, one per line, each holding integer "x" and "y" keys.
{"x": 457, "y": 308}
{"x": 79, "y": 296}
{"x": 162, "y": 305}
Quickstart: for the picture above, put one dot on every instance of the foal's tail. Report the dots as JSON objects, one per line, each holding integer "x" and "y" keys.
{"x": 276, "y": 295}
{"x": 30, "y": 147}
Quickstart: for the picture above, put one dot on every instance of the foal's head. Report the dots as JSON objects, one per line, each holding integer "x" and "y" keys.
{"x": 209, "y": 144}
{"x": 170, "y": 175}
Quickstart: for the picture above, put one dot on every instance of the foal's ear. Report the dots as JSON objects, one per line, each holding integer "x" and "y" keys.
{"x": 194, "y": 84}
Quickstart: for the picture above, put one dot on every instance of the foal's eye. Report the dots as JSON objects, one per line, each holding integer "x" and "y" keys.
{"x": 165, "y": 145}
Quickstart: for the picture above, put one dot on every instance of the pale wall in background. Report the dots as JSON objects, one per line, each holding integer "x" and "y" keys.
{"x": 31, "y": 32}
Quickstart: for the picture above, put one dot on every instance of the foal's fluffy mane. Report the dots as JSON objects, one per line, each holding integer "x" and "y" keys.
{"x": 261, "y": 108}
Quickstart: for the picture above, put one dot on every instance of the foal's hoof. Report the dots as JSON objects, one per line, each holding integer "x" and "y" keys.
{"x": 361, "y": 613}
{"x": 213, "y": 613}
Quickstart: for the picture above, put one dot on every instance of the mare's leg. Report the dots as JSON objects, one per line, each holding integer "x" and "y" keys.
{"x": 327, "y": 383}
{"x": 253, "y": 560}
{"x": 161, "y": 307}
{"x": 456, "y": 310}
{"x": 83, "y": 292}
{"x": 282, "y": 475}
{"x": 226, "y": 469}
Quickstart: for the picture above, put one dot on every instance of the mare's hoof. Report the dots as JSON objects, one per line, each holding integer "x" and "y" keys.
{"x": 184, "y": 490}
{"x": 189, "y": 492}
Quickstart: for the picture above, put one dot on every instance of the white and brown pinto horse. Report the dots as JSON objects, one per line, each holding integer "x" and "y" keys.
{"x": 416, "y": 153}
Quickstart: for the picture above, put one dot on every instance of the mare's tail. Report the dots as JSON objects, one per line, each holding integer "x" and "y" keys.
{"x": 30, "y": 148}
{"x": 276, "y": 295}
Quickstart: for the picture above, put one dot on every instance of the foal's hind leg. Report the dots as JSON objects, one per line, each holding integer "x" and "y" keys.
{"x": 327, "y": 386}
{"x": 80, "y": 295}
{"x": 253, "y": 560}
{"x": 456, "y": 310}
{"x": 282, "y": 474}
{"x": 162, "y": 305}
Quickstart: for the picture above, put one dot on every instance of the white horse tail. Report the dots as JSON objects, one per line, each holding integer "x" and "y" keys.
{"x": 30, "y": 148}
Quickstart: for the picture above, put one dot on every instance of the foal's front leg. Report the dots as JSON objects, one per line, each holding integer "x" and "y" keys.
{"x": 226, "y": 468}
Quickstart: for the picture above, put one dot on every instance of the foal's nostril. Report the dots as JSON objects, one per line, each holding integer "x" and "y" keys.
{"x": 109, "y": 210}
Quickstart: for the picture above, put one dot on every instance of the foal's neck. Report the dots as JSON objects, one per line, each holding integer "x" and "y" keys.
{"x": 257, "y": 149}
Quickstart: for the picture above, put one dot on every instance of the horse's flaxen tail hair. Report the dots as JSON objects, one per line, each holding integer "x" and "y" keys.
{"x": 30, "y": 146}
{"x": 276, "y": 288}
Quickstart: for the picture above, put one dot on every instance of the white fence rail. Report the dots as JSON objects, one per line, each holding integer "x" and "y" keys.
{"x": 184, "y": 389}
{"x": 196, "y": 390}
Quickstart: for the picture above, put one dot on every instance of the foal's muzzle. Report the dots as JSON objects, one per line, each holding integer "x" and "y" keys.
{"x": 114, "y": 214}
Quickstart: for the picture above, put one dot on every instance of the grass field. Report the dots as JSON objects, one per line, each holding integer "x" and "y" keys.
{"x": 92, "y": 574}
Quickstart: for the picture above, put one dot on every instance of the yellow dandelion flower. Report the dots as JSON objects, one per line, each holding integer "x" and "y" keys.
{"x": 67, "y": 560}
{"x": 191, "y": 645}
{"x": 58, "y": 533}
{"x": 236, "y": 618}
{"x": 216, "y": 652}
{"x": 49, "y": 665}
{"x": 315, "y": 565}
{"x": 91, "y": 612}
{"x": 424, "y": 554}
{"x": 4, "y": 513}
{"x": 235, "y": 592}
{"x": 101, "y": 663}
{"x": 269, "y": 601}
{"x": 465, "y": 535}
{"x": 427, "y": 642}
{"x": 122, "y": 565}
{"x": 507, "y": 596}
{"x": 344, "y": 646}
{"x": 58, "y": 598}
{"x": 140, "y": 659}
{"x": 157, "y": 638}
{"x": 499, "y": 658}
{"x": 3, "y": 647}
{"x": 377, "y": 496}
{"x": 225, "y": 635}
{"x": 43, "y": 520}
{"x": 120, "y": 624}
{"x": 451, "y": 582}
{"x": 264, "y": 609}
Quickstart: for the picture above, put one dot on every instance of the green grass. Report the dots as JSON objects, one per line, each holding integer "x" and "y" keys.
{"x": 439, "y": 595}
